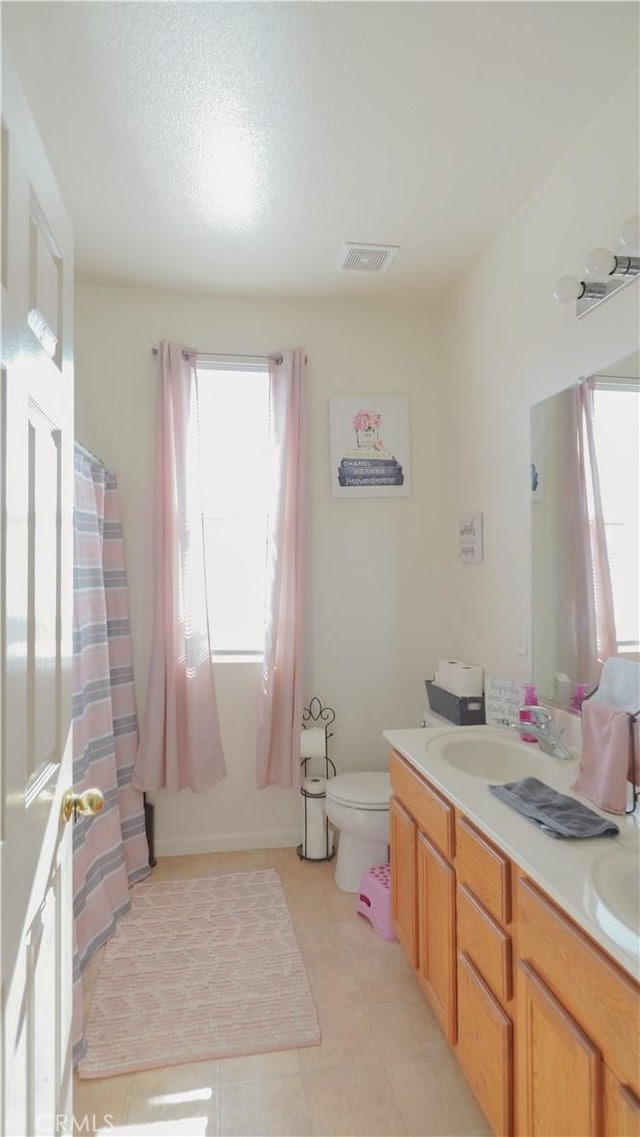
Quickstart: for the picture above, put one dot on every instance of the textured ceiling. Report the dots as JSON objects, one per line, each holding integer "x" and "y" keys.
{"x": 234, "y": 147}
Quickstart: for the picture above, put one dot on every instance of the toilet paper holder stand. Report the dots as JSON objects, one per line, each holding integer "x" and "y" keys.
{"x": 313, "y": 716}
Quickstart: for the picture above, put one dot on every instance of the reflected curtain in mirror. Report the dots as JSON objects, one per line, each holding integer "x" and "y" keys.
{"x": 593, "y": 615}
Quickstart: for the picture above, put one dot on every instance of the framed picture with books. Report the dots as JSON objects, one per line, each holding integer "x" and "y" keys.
{"x": 369, "y": 446}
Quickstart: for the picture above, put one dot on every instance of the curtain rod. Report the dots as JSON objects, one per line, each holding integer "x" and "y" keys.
{"x": 221, "y": 355}
{"x": 225, "y": 355}
{"x": 616, "y": 380}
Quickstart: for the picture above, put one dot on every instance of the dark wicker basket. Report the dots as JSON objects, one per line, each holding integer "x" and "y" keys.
{"x": 458, "y": 709}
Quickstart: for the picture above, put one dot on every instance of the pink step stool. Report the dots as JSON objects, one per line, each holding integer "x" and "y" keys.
{"x": 374, "y": 900}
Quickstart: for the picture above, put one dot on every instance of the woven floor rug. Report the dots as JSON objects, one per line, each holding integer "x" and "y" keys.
{"x": 199, "y": 969}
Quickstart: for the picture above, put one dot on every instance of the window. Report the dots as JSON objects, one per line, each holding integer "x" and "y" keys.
{"x": 617, "y": 430}
{"x": 233, "y": 399}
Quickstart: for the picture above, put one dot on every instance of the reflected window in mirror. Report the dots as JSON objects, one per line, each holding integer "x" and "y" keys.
{"x": 617, "y": 430}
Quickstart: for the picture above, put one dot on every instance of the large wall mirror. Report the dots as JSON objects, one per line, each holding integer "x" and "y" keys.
{"x": 558, "y": 526}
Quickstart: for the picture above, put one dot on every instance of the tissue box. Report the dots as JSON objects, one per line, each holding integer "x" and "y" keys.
{"x": 459, "y": 709}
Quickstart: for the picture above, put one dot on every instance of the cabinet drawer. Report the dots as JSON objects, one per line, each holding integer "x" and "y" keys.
{"x": 486, "y": 944}
{"x": 485, "y": 870}
{"x": 433, "y": 814}
{"x": 485, "y": 1047}
{"x": 602, "y": 999}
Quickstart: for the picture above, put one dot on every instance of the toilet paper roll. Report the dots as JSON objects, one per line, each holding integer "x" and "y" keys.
{"x": 316, "y": 787}
{"x": 467, "y": 681}
{"x": 462, "y": 679}
{"x": 445, "y": 668}
{"x": 314, "y": 830}
{"x": 313, "y": 742}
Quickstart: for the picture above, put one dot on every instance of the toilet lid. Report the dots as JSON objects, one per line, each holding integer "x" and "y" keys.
{"x": 366, "y": 791}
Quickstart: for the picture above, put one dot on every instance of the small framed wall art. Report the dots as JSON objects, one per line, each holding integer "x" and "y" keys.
{"x": 369, "y": 446}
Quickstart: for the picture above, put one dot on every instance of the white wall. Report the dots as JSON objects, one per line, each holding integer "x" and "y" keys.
{"x": 387, "y": 594}
{"x": 373, "y": 620}
{"x": 508, "y": 344}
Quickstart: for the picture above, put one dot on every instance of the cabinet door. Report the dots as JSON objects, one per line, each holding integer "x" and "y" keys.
{"x": 485, "y": 1048}
{"x": 559, "y": 1069}
{"x": 621, "y": 1108}
{"x": 437, "y": 934}
{"x": 403, "y": 878}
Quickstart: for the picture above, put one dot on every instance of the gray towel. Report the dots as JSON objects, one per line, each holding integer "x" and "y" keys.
{"x": 557, "y": 814}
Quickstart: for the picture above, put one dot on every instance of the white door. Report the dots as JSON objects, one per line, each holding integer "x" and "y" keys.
{"x": 36, "y": 471}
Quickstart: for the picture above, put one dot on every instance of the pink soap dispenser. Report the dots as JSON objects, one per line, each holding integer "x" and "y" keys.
{"x": 580, "y": 692}
{"x": 531, "y": 700}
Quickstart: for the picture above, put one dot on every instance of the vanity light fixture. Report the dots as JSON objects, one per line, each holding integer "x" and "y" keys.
{"x": 601, "y": 262}
{"x": 570, "y": 288}
{"x": 605, "y": 272}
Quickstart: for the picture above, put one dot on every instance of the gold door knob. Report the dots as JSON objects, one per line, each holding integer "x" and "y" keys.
{"x": 87, "y": 803}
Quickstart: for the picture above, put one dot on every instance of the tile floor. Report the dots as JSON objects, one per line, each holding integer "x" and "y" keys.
{"x": 383, "y": 1068}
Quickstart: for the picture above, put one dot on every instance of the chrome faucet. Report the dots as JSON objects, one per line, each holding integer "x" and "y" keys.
{"x": 541, "y": 725}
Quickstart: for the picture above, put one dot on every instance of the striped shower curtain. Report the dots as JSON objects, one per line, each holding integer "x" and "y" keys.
{"x": 110, "y": 851}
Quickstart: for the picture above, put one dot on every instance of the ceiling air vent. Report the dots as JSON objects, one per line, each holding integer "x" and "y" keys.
{"x": 366, "y": 258}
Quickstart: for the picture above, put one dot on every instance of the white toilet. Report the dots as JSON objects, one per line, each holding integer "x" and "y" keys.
{"x": 358, "y": 806}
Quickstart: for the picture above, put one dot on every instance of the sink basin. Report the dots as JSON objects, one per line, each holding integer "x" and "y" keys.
{"x": 614, "y": 897}
{"x": 486, "y": 753}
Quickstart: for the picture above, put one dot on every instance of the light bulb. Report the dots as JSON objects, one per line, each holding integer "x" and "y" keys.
{"x": 568, "y": 288}
{"x": 599, "y": 263}
{"x": 630, "y": 232}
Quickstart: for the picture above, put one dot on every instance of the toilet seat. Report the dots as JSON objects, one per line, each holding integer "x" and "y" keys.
{"x": 366, "y": 791}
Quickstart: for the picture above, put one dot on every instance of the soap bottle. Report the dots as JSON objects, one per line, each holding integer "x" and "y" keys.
{"x": 580, "y": 692}
{"x": 530, "y": 700}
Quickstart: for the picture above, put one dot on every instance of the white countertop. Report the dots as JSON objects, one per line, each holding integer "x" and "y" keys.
{"x": 562, "y": 867}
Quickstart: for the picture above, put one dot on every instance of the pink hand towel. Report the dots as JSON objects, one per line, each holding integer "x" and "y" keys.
{"x": 606, "y": 756}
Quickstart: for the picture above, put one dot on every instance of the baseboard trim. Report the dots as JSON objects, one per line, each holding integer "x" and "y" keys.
{"x": 227, "y": 842}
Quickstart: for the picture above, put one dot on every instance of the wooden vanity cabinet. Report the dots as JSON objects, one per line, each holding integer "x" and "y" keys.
{"x": 545, "y": 1025}
{"x": 578, "y": 1037}
{"x": 432, "y": 851}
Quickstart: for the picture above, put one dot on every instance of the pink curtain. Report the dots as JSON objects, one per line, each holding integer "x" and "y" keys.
{"x": 280, "y": 716}
{"x": 180, "y": 745}
{"x": 594, "y": 621}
